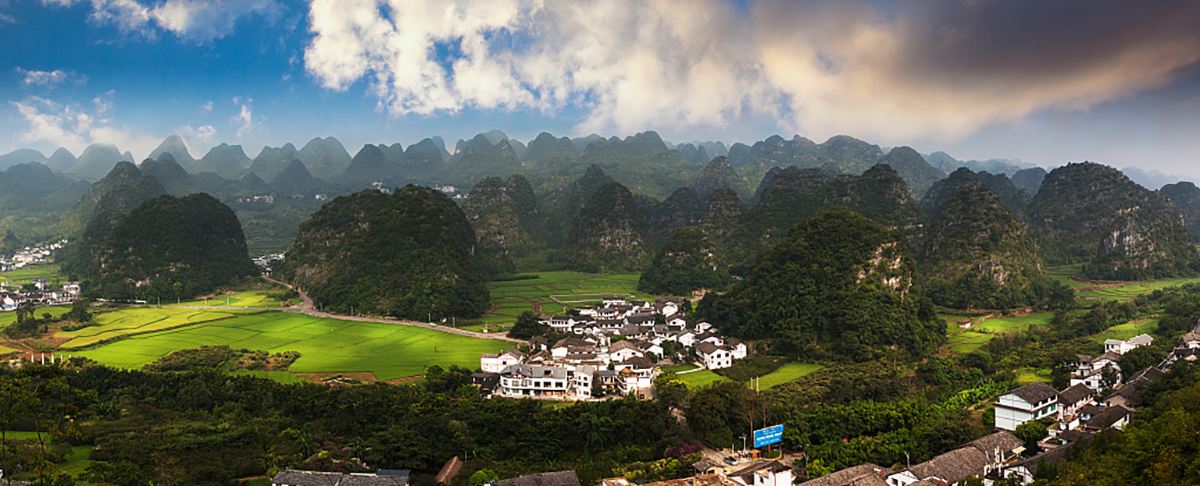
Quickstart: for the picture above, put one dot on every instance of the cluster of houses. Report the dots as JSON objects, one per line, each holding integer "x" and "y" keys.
{"x": 614, "y": 347}
{"x": 384, "y": 477}
{"x": 12, "y": 297}
{"x": 264, "y": 262}
{"x": 30, "y": 255}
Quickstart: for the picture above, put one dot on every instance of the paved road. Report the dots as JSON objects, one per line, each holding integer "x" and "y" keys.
{"x": 308, "y": 308}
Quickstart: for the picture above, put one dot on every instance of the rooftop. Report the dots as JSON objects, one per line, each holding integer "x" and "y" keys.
{"x": 1035, "y": 392}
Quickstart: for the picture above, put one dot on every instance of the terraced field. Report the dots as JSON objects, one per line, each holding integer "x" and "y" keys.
{"x": 982, "y": 329}
{"x": 27, "y": 273}
{"x": 548, "y": 293}
{"x": 253, "y": 298}
{"x": 1135, "y": 289}
{"x": 127, "y": 322}
{"x": 1127, "y": 330}
{"x": 388, "y": 351}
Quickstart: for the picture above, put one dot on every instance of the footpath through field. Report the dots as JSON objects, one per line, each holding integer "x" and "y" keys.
{"x": 308, "y": 308}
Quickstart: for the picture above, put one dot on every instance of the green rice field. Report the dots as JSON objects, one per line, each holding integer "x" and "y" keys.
{"x": 7, "y": 318}
{"x": 253, "y": 298}
{"x": 982, "y": 330}
{"x": 1127, "y": 330}
{"x": 1135, "y": 289}
{"x": 27, "y": 273}
{"x": 140, "y": 320}
{"x": 1064, "y": 274}
{"x": 699, "y": 379}
{"x": 786, "y": 374}
{"x": 511, "y": 298}
{"x": 388, "y": 351}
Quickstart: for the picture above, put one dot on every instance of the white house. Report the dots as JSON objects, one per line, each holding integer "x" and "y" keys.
{"x": 714, "y": 357}
{"x": 1029, "y": 402}
{"x": 1122, "y": 347}
{"x": 495, "y": 363}
{"x": 522, "y": 380}
{"x": 736, "y": 348}
{"x": 581, "y": 380}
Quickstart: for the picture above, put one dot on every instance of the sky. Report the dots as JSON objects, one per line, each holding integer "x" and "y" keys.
{"x": 1113, "y": 82}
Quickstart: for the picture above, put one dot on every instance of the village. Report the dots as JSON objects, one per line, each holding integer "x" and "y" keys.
{"x": 39, "y": 291}
{"x": 612, "y": 349}
{"x": 618, "y": 344}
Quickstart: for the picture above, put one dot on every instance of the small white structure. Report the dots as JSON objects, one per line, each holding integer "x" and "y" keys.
{"x": 495, "y": 363}
{"x": 1029, "y": 402}
{"x": 1122, "y": 347}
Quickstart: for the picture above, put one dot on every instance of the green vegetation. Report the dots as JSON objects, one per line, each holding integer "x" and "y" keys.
{"x": 405, "y": 255}
{"x": 610, "y": 233}
{"x": 699, "y": 379}
{"x": 26, "y": 274}
{"x": 838, "y": 287}
{"x": 976, "y": 255}
{"x": 174, "y": 248}
{"x": 1130, "y": 329}
{"x": 787, "y": 373}
{"x": 505, "y": 217}
{"x": 1093, "y": 214}
{"x": 388, "y": 351}
{"x": 686, "y": 262}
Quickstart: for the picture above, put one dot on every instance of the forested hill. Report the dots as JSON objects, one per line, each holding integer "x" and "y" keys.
{"x": 977, "y": 255}
{"x": 409, "y": 254}
{"x": 838, "y": 286}
{"x": 1091, "y": 213}
{"x": 173, "y": 248}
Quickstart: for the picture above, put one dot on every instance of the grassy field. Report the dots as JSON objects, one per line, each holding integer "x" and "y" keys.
{"x": 1135, "y": 289}
{"x": 1127, "y": 330}
{"x": 511, "y": 298}
{"x": 253, "y": 298}
{"x": 1064, "y": 274}
{"x": 1026, "y": 376}
{"x": 982, "y": 330}
{"x": 7, "y": 318}
{"x": 699, "y": 379}
{"x": 326, "y": 345}
{"x": 786, "y": 374}
{"x": 27, "y": 273}
{"x": 140, "y": 320}
{"x": 678, "y": 368}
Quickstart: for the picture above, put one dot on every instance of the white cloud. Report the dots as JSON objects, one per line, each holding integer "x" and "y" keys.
{"x": 198, "y": 140}
{"x": 206, "y": 108}
{"x": 819, "y": 68}
{"x": 196, "y": 21}
{"x": 244, "y": 120}
{"x": 49, "y": 79}
{"x": 7, "y": 19}
{"x": 73, "y": 127}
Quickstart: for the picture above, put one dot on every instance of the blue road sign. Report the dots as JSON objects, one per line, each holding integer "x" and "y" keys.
{"x": 768, "y": 436}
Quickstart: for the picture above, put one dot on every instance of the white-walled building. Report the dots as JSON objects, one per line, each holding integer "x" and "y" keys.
{"x": 495, "y": 363}
{"x": 1029, "y": 402}
{"x": 1122, "y": 347}
{"x": 714, "y": 357}
{"x": 522, "y": 380}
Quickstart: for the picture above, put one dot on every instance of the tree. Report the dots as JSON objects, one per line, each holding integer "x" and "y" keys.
{"x": 1031, "y": 432}
{"x": 527, "y": 326}
{"x": 482, "y": 477}
{"x": 1138, "y": 359}
{"x": 671, "y": 391}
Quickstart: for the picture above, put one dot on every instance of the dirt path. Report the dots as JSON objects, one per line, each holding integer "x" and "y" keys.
{"x": 308, "y": 308}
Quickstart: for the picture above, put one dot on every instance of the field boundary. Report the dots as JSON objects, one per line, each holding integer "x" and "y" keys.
{"x": 123, "y": 337}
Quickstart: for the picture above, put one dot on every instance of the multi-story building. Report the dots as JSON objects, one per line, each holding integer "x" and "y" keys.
{"x": 522, "y": 380}
{"x": 1029, "y": 402}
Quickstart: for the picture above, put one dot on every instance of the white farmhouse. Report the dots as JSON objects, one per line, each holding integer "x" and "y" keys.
{"x": 1029, "y": 402}
{"x": 1122, "y": 347}
{"x": 714, "y": 357}
{"x": 495, "y": 363}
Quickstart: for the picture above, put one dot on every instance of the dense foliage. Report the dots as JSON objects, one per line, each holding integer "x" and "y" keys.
{"x": 1186, "y": 196}
{"x": 407, "y": 255}
{"x": 1092, "y": 213}
{"x": 1016, "y": 199}
{"x": 839, "y": 286}
{"x": 879, "y": 194}
{"x": 610, "y": 232}
{"x": 505, "y": 217}
{"x": 977, "y": 255}
{"x": 173, "y": 248}
{"x": 688, "y": 261}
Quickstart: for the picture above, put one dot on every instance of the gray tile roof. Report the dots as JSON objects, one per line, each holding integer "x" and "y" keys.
{"x": 1002, "y": 441}
{"x": 558, "y": 478}
{"x": 953, "y": 466}
{"x": 858, "y": 475}
{"x": 1035, "y": 392}
{"x": 1074, "y": 394}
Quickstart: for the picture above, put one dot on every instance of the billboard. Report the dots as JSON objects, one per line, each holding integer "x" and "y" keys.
{"x": 768, "y": 436}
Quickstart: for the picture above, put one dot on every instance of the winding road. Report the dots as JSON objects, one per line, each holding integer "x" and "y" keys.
{"x": 308, "y": 308}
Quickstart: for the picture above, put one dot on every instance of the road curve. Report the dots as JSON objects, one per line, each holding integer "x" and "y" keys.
{"x": 308, "y": 308}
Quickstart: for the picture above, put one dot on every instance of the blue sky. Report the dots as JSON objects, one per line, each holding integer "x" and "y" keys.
{"x": 1111, "y": 82}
